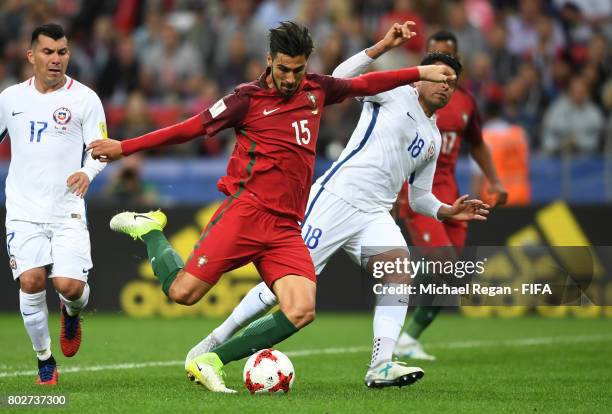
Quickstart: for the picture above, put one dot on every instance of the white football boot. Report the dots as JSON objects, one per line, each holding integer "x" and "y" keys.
{"x": 392, "y": 374}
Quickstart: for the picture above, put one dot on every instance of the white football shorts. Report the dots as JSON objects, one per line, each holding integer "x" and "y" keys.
{"x": 64, "y": 247}
{"x": 332, "y": 223}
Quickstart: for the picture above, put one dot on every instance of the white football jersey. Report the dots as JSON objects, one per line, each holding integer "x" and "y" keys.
{"x": 48, "y": 135}
{"x": 394, "y": 141}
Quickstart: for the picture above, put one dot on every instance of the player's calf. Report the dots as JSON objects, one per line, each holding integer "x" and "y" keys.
{"x": 297, "y": 298}
{"x": 186, "y": 289}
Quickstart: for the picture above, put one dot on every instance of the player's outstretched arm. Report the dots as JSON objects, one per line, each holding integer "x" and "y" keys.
{"x": 107, "y": 150}
{"x": 376, "y": 82}
{"x": 464, "y": 210}
{"x": 357, "y": 64}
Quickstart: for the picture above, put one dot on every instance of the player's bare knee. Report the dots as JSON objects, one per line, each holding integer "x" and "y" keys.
{"x": 32, "y": 284}
{"x": 33, "y": 280}
{"x": 71, "y": 292}
{"x": 71, "y": 289}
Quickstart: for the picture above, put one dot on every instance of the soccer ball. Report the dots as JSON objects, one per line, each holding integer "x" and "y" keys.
{"x": 268, "y": 371}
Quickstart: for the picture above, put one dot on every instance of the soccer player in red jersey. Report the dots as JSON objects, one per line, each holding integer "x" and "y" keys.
{"x": 458, "y": 120}
{"x": 269, "y": 174}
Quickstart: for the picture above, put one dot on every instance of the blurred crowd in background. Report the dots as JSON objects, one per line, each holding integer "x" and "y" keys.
{"x": 544, "y": 65}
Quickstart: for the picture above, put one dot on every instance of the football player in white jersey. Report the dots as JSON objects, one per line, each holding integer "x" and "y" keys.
{"x": 50, "y": 118}
{"x": 396, "y": 139}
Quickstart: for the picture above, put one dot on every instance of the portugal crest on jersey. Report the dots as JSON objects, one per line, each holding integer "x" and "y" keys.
{"x": 62, "y": 116}
{"x": 313, "y": 102}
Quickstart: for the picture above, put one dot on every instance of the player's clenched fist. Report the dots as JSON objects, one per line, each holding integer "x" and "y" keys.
{"x": 78, "y": 183}
{"x": 105, "y": 150}
{"x": 437, "y": 73}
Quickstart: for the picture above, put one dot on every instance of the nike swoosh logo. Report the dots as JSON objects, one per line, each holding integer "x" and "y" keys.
{"x": 410, "y": 116}
{"x": 17, "y": 113}
{"x": 28, "y": 314}
{"x": 142, "y": 216}
{"x": 266, "y": 112}
{"x": 262, "y": 301}
{"x": 85, "y": 270}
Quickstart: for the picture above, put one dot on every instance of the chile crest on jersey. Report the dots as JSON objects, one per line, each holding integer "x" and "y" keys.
{"x": 62, "y": 117}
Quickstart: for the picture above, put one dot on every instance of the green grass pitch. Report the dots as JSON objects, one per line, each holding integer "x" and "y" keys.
{"x": 528, "y": 364}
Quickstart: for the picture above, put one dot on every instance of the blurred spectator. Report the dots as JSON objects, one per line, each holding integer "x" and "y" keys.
{"x": 148, "y": 35}
{"x": 576, "y": 30}
{"x": 433, "y": 14}
{"x": 573, "y": 122}
{"x": 465, "y": 32}
{"x": 203, "y": 35}
{"x": 596, "y": 13}
{"x": 102, "y": 42}
{"x": 12, "y": 15}
{"x": 271, "y": 12}
{"x": 137, "y": 119}
{"x": 597, "y": 67}
{"x": 332, "y": 52}
{"x": 232, "y": 72}
{"x": 606, "y": 97}
{"x": 172, "y": 68}
{"x": 561, "y": 74}
{"x": 480, "y": 14}
{"x": 239, "y": 21}
{"x": 523, "y": 36}
{"x": 534, "y": 99}
{"x": 313, "y": 15}
{"x": 126, "y": 186}
{"x": 510, "y": 153}
{"x": 503, "y": 63}
{"x": 6, "y": 79}
{"x": 545, "y": 51}
{"x": 120, "y": 76}
{"x": 481, "y": 82}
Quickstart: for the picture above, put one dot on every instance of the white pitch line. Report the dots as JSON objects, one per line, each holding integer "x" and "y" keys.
{"x": 546, "y": 340}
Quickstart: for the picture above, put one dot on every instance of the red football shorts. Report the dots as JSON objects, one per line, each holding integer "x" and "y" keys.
{"x": 427, "y": 232}
{"x": 240, "y": 233}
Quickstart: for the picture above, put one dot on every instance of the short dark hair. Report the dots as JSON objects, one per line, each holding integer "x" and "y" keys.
{"x": 445, "y": 58}
{"x": 52, "y": 30}
{"x": 291, "y": 39}
{"x": 444, "y": 36}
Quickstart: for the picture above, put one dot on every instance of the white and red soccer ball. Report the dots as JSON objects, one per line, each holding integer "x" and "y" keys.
{"x": 268, "y": 371}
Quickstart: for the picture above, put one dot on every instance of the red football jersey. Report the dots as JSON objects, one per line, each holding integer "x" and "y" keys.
{"x": 459, "y": 119}
{"x": 273, "y": 161}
